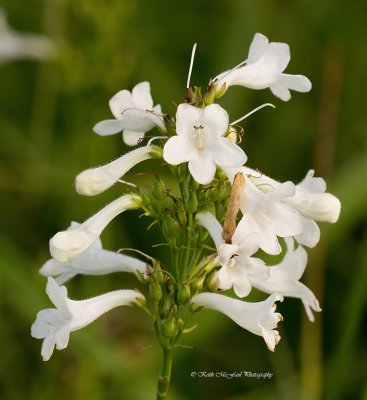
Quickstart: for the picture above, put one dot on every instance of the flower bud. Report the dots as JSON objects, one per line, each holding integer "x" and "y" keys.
{"x": 170, "y": 227}
{"x": 144, "y": 196}
{"x": 198, "y": 283}
{"x": 192, "y": 204}
{"x": 159, "y": 189}
{"x": 155, "y": 292}
{"x": 169, "y": 328}
{"x": 183, "y": 294}
{"x": 220, "y": 90}
{"x": 232, "y": 135}
{"x": 211, "y": 281}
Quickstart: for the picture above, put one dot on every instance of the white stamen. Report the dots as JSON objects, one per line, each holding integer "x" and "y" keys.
{"x": 150, "y": 141}
{"x": 237, "y": 66}
{"x": 191, "y": 64}
{"x": 251, "y": 112}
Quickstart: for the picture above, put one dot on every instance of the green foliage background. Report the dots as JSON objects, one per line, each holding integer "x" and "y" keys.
{"x": 47, "y": 111}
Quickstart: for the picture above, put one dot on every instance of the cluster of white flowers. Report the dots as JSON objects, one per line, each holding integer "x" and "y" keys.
{"x": 202, "y": 138}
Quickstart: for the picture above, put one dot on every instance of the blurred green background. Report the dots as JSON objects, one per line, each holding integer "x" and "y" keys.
{"x": 47, "y": 111}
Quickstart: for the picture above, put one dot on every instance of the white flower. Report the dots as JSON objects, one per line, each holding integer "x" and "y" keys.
{"x": 235, "y": 258}
{"x": 15, "y": 45}
{"x": 259, "y": 318}
{"x": 284, "y": 278}
{"x": 134, "y": 113}
{"x": 96, "y": 180}
{"x": 264, "y": 68}
{"x": 69, "y": 244}
{"x": 310, "y": 200}
{"x": 94, "y": 261}
{"x": 55, "y": 324}
{"x": 200, "y": 141}
{"x": 267, "y": 213}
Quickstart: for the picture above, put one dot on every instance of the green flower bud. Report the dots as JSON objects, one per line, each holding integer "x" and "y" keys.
{"x": 183, "y": 294}
{"x": 155, "y": 291}
{"x": 158, "y": 190}
{"x": 182, "y": 218}
{"x": 192, "y": 203}
{"x": 198, "y": 284}
{"x": 209, "y": 96}
{"x": 144, "y": 196}
{"x": 211, "y": 281}
{"x": 219, "y": 91}
{"x": 170, "y": 227}
{"x": 169, "y": 328}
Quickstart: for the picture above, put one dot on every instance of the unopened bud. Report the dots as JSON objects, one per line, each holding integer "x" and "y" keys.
{"x": 159, "y": 189}
{"x": 169, "y": 328}
{"x": 155, "y": 292}
{"x": 170, "y": 227}
{"x": 212, "y": 281}
{"x": 156, "y": 152}
{"x": 220, "y": 90}
{"x": 184, "y": 294}
{"x": 232, "y": 135}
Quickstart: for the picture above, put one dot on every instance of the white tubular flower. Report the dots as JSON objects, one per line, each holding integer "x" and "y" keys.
{"x": 94, "y": 261}
{"x": 55, "y": 324}
{"x": 258, "y": 318}
{"x": 200, "y": 141}
{"x": 264, "y": 69}
{"x": 134, "y": 113}
{"x": 237, "y": 264}
{"x": 69, "y": 244}
{"x": 96, "y": 180}
{"x": 310, "y": 200}
{"x": 267, "y": 214}
{"x": 16, "y": 45}
{"x": 284, "y": 278}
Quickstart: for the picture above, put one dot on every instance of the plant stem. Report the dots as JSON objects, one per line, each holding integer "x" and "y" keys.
{"x": 165, "y": 375}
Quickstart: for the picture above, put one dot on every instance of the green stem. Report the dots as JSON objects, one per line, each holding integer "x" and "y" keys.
{"x": 165, "y": 375}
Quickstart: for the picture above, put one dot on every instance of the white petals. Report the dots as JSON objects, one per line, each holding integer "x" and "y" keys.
{"x": 264, "y": 68}
{"x": 54, "y": 325}
{"x": 211, "y": 224}
{"x": 284, "y": 278}
{"x": 96, "y": 180}
{"x": 134, "y": 113}
{"x": 68, "y": 244}
{"x": 199, "y": 141}
{"x": 94, "y": 261}
{"x": 16, "y": 45}
{"x": 259, "y": 318}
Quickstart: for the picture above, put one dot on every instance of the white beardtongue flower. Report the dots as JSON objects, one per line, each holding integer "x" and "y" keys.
{"x": 258, "y": 318}
{"x": 310, "y": 200}
{"x": 96, "y": 180}
{"x": 264, "y": 69}
{"x": 182, "y": 203}
{"x": 17, "y": 45}
{"x": 200, "y": 141}
{"x": 54, "y": 325}
{"x": 134, "y": 113}
{"x": 284, "y": 278}
{"x": 267, "y": 213}
{"x": 69, "y": 244}
{"x": 94, "y": 261}
{"x": 235, "y": 258}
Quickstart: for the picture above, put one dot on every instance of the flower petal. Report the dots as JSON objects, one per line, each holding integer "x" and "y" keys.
{"x": 186, "y": 117}
{"x": 202, "y": 168}
{"x": 228, "y": 154}
{"x": 120, "y": 101}
{"x": 276, "y": 57}
{"x": 131, "y": 138}
{"x": 141, "y": 96}
{"x": 258, "y": 47}
{"x": 281, "y": 91}
{"x": 177, "y": 150}
{"x": 299, "y": 83}
{"x": 216, "y": 118}
{"x": 108, "y": 127}
{"x": 212, "y": 225}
